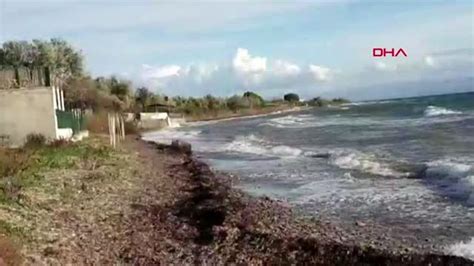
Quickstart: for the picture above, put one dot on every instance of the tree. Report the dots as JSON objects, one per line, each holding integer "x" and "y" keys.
{"x": 119, "y": 88}
{"x": 253, "y": 99}
{"x": 80, "y": 92}
{"x": 234, "y": 103}
{"x": 212, "y": 102}
{"x": 142, "y": 96}
{"x": 56, "y": 57}
{"x": 14, "y": 56}
{"x": 66, "y": 61}
{"x": 291, "y": 97}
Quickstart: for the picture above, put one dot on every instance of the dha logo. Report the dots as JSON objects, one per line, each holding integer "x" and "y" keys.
{"x": 383, "y": 52}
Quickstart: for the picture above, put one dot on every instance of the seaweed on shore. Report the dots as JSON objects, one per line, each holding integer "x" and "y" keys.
{"x": 212, "y": 223}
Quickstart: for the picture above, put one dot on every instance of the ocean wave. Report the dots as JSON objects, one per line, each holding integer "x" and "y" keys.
{"x": 167, "y": 135}
{"x": 309, "y": 121}
{"x": 449, "y": 177}
{"x": 436, "y": 111}
{"x": 435, "y": 114}
{"x": 290, "y": 121}
{"x": 452, "y": 178}
{"x": 463, "y": 249}
{"x": 368, "y": 103}
{"x": 254, "y": 145}
{"x": 367, "y": 163}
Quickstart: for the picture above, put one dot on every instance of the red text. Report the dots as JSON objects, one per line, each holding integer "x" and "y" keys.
{"x": 382, "y": 52}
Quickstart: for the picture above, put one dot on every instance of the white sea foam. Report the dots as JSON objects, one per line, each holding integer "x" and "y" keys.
{"x": 436, "y": 111}
{"x": 308, "y": 121}
{"x": 463, "y": 249}
{"x": 255, "y": 145}
{"x": 447, "y": 168}
{"x": 368, "y": 163}
{"x": 453, "y": 178}
{"x": 290, "y": 121}
{"x": 167, "y": 135}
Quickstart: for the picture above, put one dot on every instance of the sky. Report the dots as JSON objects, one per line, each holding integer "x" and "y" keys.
{"x": 314, "y": 48}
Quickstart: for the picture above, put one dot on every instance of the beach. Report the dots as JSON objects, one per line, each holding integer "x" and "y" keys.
{"x": 201, "y": 219}
{"x": 400, "y": 167}
{"x": 146, "y": 203}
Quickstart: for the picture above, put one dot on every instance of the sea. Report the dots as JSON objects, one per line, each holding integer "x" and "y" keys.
{"x": 400, "y": 162}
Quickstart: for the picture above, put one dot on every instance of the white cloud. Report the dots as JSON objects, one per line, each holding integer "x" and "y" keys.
{"x": 320, "y": 73}
{"x": 161, "y": 72}
{"x": 273, "y": 77}
{"x": 250, "y": 69}
{"x": 244, "y": 72}
{"x": 429, "y": 61}
{"x": 383, "y": 66}
{"x": 244, "y": 62}
{"x": 284, "y": 68}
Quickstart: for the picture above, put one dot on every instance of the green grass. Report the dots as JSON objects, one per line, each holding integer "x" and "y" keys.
{"x": 28, "y": 164}
{"x": 11, "y": 230}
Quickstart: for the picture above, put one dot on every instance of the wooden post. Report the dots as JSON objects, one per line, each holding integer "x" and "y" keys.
{"x": 109, "y": 119}
{"x": 114, "y": 140}
{"x": 122, "y": 123}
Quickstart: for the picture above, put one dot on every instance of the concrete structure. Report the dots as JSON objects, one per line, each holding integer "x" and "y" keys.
{"x": 149, "y": 121}
{"x": 30, "y": 110}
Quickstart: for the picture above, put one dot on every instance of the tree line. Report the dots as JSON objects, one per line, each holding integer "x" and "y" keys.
{"x": 55, "y": 59}
{"x": 56, "y": 62}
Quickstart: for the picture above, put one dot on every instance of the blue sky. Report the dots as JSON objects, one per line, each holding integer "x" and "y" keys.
{"x": 225, "y": 47}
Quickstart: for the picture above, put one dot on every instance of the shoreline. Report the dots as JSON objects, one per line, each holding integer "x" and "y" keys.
{"x": 244, "y": 116}
{"x": 145, "y": 203}
{"x": 390, "y": 237}
{"x": 225, "y": 218}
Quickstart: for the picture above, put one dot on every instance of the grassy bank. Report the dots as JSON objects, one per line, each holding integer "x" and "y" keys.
{"x": 56, "y": 198}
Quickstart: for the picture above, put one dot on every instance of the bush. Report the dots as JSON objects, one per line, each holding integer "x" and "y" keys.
{"x": 12, "y": 161}
{"x": 291, "y": 97}
{"x": 59, "y": 143}
{"x": 98, "y": 123}
{"x": 35, "y": 140}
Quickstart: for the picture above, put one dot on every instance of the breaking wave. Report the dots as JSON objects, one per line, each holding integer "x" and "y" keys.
{"x": 308, "y": 121}
{"x": 254, "y": 145}
{"x": 463, "y": 249}
{"x": 290, "y": 121}
{"x": 368, "y": 163}
{"x": 436, "y": 111}
{"x": 452, "y": 179}
{"x": 167, "y": 135}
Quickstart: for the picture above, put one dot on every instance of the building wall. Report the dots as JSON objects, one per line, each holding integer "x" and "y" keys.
{"x": 150, "y": 121}
{"x": 26, "y": 111}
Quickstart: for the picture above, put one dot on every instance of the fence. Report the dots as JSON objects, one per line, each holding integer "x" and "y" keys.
{"x": 23, "y": 77}
{"x": 116, "y": 126}
{"x": 73, "y": 119}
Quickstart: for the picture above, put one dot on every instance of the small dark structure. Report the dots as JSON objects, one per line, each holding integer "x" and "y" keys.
{"x": 160, "y": 107}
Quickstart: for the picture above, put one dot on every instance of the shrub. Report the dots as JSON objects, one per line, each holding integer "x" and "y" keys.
{"x": 12, "y": 161}
{"x": 291, "y": 97}
{"x": 98, "y": 123}
{"x": 35, "y": 140}
{"x": 59, "y": 143}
